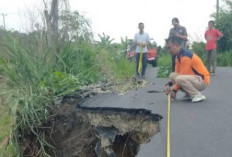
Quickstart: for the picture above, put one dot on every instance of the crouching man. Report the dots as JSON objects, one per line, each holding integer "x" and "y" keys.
{"x": 190, "y": 76}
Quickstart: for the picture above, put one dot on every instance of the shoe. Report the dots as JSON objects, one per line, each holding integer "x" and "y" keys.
{"x": 142, "y": 76}
{"x": 137, "y": 76}
{"x": 212, "y": 74}
{"x": 198, "y": 98}
{"x": 185, "y": 97}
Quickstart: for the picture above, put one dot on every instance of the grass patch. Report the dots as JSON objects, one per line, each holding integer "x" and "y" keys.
{"x": 117, "y": 69}
{"x": 224, "y": 58}
{"x": 165, "y": 66}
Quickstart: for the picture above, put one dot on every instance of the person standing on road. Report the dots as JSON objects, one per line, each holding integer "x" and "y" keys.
{"x": 190, "y": 76}
{"x": 141, "y": 41}
{"x": 211, "y": 35}
{"x": 180, "y": 32}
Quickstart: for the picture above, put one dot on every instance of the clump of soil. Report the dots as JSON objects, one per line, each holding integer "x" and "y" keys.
{"x": 71, "y": 136}
{"x": 65, "y": 131}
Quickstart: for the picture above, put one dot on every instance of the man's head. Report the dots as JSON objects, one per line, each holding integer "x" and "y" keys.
{"x": 141, "y": 27}
{"x": 211, "y": 24}
{"x": 175, "y": 21}
{"x": 173, "y": 45}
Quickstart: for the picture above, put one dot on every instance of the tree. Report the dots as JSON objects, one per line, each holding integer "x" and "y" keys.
{"x": 51, "y": 19}
{"x": 223, "y": 22}
{"x": 76, "y": 25}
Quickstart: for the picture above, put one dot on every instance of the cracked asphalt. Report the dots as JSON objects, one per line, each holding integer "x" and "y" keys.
{"x": 201, "y": 129}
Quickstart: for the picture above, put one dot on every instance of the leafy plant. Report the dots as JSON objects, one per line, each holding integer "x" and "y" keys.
{"x": 199, "y": 49}
{"x": 224, "y": 58}
{"x": 223, "y": 22}
{"x": 76, "y": 24}
{"x": 105, "y": 41}
{"x": 165, "y": 67}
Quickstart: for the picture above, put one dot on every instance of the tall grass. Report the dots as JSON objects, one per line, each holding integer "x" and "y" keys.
{"x": 79, "y": 59}
{"x": 33, "y": 77}
{"x": 224, "y": 58}
{"x": 199, "y": 49}
{"x": 6, "y": 123}
{"x": 29, "y": 99}
{"x": 116, "y": 67}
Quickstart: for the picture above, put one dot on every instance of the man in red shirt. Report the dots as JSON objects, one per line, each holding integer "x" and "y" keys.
{"x": 211, "y": 35}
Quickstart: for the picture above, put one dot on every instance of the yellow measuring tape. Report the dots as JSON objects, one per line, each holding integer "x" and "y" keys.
{"x": 140, "y": 58}
{"x": 168, "y": 126}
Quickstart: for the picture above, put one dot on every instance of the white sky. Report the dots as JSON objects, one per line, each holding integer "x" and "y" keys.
{"x": 120, "y": 18}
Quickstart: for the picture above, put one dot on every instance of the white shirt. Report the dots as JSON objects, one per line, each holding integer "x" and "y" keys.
{"x": 141, "y": 38}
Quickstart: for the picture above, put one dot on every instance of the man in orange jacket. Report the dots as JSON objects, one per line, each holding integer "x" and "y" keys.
{"x": 191, "y": 76}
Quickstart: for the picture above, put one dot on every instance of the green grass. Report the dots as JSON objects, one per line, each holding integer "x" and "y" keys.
{"x": 33, "y": 78}
{"x": 165, "y": 60}
{"x": 224, "y": 58}
{"x": 199, "y": 49}
{"x": 165, "y": 66}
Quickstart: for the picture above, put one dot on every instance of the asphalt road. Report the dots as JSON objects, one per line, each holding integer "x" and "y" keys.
{"x": 201, "y": 129}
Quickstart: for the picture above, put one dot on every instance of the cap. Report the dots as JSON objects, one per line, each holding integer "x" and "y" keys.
{"x": 175, "y": 20}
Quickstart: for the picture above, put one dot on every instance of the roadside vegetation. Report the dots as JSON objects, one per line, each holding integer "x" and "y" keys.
{"x": 34, "y": 76}
{"x": 36, "y": 71}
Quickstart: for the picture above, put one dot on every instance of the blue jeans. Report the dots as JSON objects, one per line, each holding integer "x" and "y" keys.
{"x": 144, "y": 63}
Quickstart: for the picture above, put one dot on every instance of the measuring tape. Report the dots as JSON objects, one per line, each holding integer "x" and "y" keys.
{"x": 168, "y": 126}
{"x": 140, "y": 59}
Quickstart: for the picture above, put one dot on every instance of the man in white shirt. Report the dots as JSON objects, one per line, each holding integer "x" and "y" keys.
{"x": 141, "y": 41}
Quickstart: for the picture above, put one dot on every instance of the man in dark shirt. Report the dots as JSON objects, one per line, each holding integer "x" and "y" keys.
{"x": 180, "y": 32}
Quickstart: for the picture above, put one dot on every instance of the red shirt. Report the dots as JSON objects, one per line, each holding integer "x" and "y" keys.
{"x": 211, "y": 36}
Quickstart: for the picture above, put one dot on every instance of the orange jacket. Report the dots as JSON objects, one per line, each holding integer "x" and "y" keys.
{"x": 188, "y": 63}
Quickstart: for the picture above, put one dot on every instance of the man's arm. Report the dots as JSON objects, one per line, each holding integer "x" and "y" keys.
{"x": 148, "y": 39}
{"x": 134, "y": 44}
{"x": 169, "y": 91}
{"x": 184, "y": 35}
{"x": 219, "y": 35}
{"x": 171, "y": 33}
{"x": 205, "y": 36}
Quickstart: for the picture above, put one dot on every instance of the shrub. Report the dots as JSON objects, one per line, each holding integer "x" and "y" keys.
{"x": 165, "y": 66}
{"x": 224, "y": 58}
{"x": 199, "y": 49}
